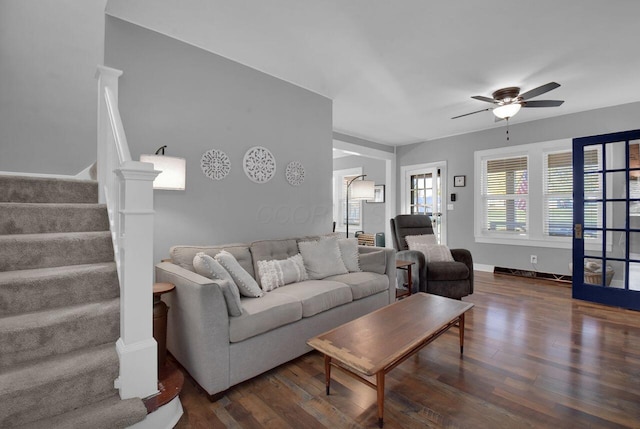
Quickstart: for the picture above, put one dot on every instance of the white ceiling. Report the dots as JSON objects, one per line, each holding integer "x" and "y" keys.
{"x": 397, "y": 71}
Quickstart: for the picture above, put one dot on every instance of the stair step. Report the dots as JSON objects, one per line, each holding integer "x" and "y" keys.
{"x": 34, "y": 290}
{"x": 31, "y": 336}
{"x": 25, "y": 189}
{"x": 50, "y": 387}
{"x": 110, "y": 413}
{"x": 36, "y": 218}
{"x": 28, "y": 251}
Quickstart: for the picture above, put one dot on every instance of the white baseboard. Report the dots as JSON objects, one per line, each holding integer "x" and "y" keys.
{"x": 483, "y": 267}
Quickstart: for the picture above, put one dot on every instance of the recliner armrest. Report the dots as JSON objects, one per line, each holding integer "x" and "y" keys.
{"x": 464, "y": 256}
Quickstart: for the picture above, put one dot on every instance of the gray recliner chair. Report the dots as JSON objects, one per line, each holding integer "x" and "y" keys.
{"x": 449, "y": 279}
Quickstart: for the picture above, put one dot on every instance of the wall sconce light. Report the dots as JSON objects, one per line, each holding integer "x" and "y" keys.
{"x": 359, "y": 190}
{"x": 173, "y": 170}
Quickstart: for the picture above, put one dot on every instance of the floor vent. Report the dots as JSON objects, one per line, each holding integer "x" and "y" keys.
{"x": 563, "y": 278}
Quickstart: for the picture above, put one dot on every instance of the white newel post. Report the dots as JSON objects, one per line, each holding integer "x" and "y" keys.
{"x": 137, "y": 349}
{"x": 126, "y": 187}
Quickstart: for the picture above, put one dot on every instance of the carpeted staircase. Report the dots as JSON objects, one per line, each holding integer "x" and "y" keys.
{"x": 59, "y": 308}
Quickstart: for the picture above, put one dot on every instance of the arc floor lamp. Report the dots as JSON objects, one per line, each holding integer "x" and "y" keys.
{"x": 358, "y": 190}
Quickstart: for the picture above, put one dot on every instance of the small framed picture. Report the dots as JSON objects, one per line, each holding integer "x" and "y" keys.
{"x": 459, "y": 181}
{"x": 378, "y": 194}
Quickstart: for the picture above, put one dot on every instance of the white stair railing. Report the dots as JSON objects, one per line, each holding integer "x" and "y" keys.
{"x": 126, "y": 187}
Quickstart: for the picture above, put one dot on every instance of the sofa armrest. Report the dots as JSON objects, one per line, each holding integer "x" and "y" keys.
{"x": 389, "y": 268}
{"x": 198, "y": 326}
{"x": 464, "y": 256}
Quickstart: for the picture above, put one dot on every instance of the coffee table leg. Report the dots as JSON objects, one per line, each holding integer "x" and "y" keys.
{"x": 327, "y": 371}
{"x": 461, "y": 323}
{"x": 380, "y": 390}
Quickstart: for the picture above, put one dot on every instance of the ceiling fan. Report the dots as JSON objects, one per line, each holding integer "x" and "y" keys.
{"x": 508, "y": 101}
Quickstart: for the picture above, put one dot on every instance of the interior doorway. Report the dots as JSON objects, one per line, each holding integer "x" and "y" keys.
{"x": 423, "y": 188}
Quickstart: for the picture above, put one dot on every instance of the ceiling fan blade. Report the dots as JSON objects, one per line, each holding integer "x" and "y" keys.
{"x": 481, "y": 98}
{"x": 539, "y": 90}
{"x": 467, "y": 114}
{"x": 542, "y": 103}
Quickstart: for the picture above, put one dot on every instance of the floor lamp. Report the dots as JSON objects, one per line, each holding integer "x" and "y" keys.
{"x": 360, "y": 190}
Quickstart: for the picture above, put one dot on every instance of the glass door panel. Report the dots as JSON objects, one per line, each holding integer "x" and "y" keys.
{"x": 606, "y": 244}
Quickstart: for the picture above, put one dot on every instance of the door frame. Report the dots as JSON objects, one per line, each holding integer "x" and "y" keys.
{"x": 405, "y": 190}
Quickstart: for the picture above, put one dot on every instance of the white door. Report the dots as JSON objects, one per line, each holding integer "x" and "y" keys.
{"x": 424, "y": 192}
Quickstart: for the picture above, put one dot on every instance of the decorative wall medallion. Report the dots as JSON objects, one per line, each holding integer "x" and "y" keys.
{"x": 295, "y": 173}
{"x": 215, "y": 164}
{"x": 259, "y": 164}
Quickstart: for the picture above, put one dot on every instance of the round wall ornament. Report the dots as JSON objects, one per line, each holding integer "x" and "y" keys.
{"x": 259, "y": 164}
{"x": 215, "y": 164}
{"x": 295, "y": 173}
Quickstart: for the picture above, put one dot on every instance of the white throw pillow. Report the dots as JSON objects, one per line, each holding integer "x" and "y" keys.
{"x": 434, "y": 252}
{"x": 208, "y": 267}
{"x": 427, "y": 239}
{"x": 246, "y": 284}
{"x": 350, "y": 254}
{"x": 322, "y": 258}
{"x": 276, "y": 273}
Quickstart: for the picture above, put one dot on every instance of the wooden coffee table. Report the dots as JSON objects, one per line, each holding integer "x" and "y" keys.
{"x": 376, "y": 343}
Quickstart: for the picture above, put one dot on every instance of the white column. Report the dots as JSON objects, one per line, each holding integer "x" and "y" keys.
{"x": 136, "y": 346}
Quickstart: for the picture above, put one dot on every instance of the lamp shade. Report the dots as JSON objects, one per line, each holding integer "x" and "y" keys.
{"x": 507, "y": 110}
{"x": 362, "y": 190}
{"x": 173, "y": 171}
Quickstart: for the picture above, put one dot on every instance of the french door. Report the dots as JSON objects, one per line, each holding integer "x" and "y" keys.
{"x": 606, "y": 218}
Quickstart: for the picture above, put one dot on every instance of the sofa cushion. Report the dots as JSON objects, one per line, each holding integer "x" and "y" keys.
{"x": 276, "y": 273}
{"x": 316, "y": 296}
{"x": 349, "y": 252}
{"x": 246, "y": 284}
{"x": 373, "y": 261}
{"x": 447, "y": 271}
{"x": 363, "y": 284}
{"x": 183, "y": 255}
{"x": 260, "y": 315}
{"x": 208, "y": 267}
{"x": 269, "y": 250}
{"x": 322, "y": 258}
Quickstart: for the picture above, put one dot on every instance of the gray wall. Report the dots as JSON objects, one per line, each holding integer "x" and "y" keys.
{"x": 458, "y": 151}
{"x": 374, "y": 218}
{"x": 178, "y": 95}
{"x": 49, "y": 51}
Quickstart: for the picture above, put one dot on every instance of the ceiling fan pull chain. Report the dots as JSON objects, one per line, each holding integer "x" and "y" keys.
{"x": 507, "y": 119}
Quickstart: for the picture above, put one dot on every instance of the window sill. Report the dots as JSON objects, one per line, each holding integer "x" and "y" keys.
{"x": 522, "y": 241}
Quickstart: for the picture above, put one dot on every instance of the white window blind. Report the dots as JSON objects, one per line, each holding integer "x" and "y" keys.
{"x": 505, "y": 194}
{"x": 558, "y": 192}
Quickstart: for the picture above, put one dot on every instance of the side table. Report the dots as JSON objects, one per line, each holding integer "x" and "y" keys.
{"x": 160, "y": 310}
{"x": 405, "y": 266}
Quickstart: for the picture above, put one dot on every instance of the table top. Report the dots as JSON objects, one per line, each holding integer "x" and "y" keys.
{"x": 401, "y": 263}
{"x": 160, "y": 288}
{"x": 374, "y": 341}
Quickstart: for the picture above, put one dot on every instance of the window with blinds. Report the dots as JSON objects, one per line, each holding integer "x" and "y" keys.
{"x": 505, "y": 194}
{"x": 558, "y": 192}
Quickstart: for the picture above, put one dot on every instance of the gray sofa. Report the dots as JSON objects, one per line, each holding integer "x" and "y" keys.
{"x": 220, "y": 351}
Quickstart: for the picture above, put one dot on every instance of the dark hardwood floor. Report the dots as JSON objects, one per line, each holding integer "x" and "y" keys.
{"x": 533, "y": 357}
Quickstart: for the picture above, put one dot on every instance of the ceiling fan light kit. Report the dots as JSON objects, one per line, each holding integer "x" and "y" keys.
{"x": 509, "y": 100}
{"x": 507, "y": 110}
